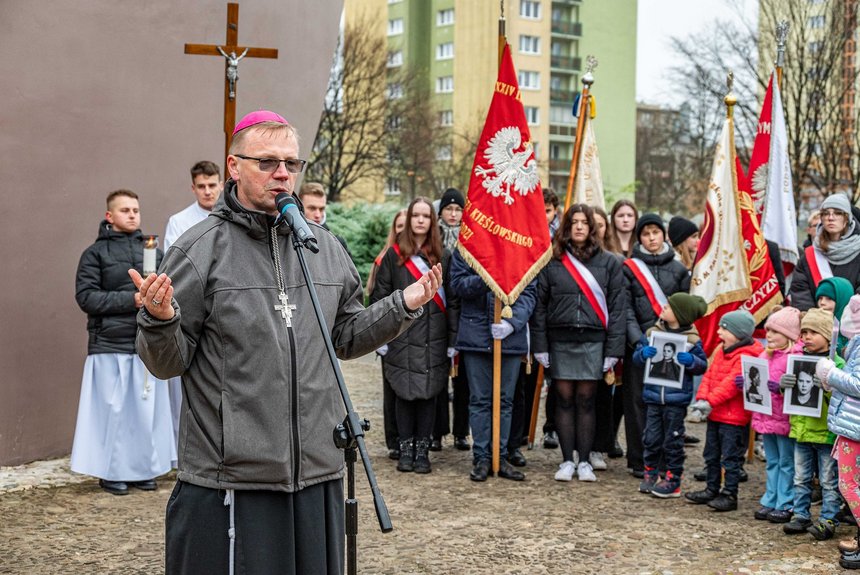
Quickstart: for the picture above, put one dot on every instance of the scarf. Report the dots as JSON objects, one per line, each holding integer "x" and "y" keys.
{"x": 842, "y": 250}
{"x": 450, "y": 235}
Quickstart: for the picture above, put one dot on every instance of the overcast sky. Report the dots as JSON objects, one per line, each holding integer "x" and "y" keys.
{"x": 658, "y": 21}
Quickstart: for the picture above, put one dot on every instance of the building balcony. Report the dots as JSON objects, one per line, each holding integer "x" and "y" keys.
{"x": 567, "y": 2}
{"x": 565, "y": 64}
{"x": 565, "y": 28}
{"x": 565, "y": 130}
{"x": 563, "y": 96}
{"x": 559, "y": 166}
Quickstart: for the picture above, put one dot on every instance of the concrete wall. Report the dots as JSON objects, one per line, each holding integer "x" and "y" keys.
{"x": 99, "y": 95}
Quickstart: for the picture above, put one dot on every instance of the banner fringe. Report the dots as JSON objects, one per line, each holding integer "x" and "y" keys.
{"x": 507, "y": 299}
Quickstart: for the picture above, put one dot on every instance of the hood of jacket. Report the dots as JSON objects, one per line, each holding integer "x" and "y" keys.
{"x": 229, "y": 208}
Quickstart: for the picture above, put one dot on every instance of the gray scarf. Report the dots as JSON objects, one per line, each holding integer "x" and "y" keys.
{"x": 842, "y": 250}
{"x": 450, "y": 235}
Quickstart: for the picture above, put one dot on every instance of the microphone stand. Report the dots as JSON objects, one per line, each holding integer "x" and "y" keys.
{"x": 349, "y": 434}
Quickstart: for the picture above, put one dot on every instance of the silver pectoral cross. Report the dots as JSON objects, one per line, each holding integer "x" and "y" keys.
{"x": 285, "y": 308}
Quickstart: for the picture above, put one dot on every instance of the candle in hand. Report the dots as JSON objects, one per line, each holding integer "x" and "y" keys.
{"x": 149, "y": 246}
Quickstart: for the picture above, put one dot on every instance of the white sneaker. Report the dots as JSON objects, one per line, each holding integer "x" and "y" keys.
{"x": 597, "y": 461}
{"x": 566, "y": 471}
{"x": 585, "y": 472}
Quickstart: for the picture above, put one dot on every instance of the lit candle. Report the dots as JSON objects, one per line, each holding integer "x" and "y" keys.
{"x": 149, "y": 247}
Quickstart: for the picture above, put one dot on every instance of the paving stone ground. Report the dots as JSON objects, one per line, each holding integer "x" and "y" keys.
{"x": 52, "y": 521}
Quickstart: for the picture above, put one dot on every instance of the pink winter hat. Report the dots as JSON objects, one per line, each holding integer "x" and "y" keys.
{"x": 785, "y": 321}
{"x": 850, "y": 324}
{"x": 258, "y": 117}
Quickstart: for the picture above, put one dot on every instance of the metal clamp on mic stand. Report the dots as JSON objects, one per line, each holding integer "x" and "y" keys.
{"x": 348, "y": 435}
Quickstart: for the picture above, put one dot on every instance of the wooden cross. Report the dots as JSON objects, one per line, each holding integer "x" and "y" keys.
{"x": 286, "y": 309}
{"x": 231, "y": 53}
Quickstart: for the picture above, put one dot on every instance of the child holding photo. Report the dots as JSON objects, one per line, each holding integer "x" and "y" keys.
{"x": 783, "y": 331}
{"x": 665, "y": 407}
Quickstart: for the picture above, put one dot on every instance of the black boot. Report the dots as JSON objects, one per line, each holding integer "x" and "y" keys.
{"x": 407, "y": 453}
{"x": 422, "y": 455}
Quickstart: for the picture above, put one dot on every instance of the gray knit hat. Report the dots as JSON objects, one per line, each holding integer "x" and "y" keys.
{"x": 740, "y": 322}
{"x": 837, "y": 201}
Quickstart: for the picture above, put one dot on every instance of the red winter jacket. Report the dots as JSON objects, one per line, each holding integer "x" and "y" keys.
{"x": 718, "y": 385}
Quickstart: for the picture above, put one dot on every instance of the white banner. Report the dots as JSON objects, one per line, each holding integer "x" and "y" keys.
{"x": 589, "y": 181}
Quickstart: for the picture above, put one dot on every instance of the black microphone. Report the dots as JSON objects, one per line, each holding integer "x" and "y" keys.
{"x": 289, "y": 210}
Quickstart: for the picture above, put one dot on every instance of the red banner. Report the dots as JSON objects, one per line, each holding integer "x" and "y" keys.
{"x": 504, "y": 236}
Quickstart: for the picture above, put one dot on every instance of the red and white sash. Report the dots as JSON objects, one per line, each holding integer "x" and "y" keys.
{"x": 589, "y": 286}
{"x": 418, "y": 267}
{"x": 649, "y": 284}
{"x": 819, "y": 267}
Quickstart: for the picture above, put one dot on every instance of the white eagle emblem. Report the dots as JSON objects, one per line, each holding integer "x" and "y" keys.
{"x": 759, "y": 186}
{"x": 508, "y": 168}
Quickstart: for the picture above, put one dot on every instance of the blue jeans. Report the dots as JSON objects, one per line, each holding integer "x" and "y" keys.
{"x": 664, "y": 437}
{"x": 779, "y": 488}
{"x": 725, "y": 445}
{"x": 806, "y": 455}
{"x": 479, "y": 372}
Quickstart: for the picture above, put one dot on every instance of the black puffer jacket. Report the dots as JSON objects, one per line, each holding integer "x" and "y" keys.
{"x": 105, "y": 292}
{"x": 802, "y": 290}
{"x": 671, "y": 276}
{"x": 417, "y": 363}
{"x": 563, "y": 313}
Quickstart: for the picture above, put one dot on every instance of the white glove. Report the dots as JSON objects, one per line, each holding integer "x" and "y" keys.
{"x": 823, "y": 367}
{"x": 609, "y": 363}
{"x": 382, "y": 350}
{"x": 542, "y": 358}
{"x": 452, "y": 353}
{"x": 501, "y": 330}
{"x": 701, "y": 406}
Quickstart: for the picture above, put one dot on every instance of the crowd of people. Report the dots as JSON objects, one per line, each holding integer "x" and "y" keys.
{"x": 609, "y": 319}
{"x": 595, "y": 319}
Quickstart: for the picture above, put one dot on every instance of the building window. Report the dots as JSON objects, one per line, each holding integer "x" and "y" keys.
{"x": 536, "y": 148}
{"x": 529, "y": 80}
{"x": 395, "y": 26}
{"x": 445, "y": 17}
{"x": 392, "y": 187}
{"x": 446, "y": 118}
{"x": 561, "y": 115}
{"x": 530, "y": 9}
{"x": 532, "y": 115}
{"x": 816, "y": 22}
{"x": 394, "y": 122}
{"x": 443, "y": 153}
{"x": 445, "y": 51}
{"x": 395, "y": 1}
{"x": 445, "y": 84}
{"x": 395, "y": 58}
{"x": 815, "y": 47}
{"x": 395, "y": 91}
{"x": 529, "y": 44}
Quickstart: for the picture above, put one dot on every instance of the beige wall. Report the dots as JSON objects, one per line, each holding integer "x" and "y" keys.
{"x": 99, "y": 95}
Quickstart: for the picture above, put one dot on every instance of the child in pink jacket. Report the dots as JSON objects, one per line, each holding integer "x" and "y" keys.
{"x": 783, "y": 332}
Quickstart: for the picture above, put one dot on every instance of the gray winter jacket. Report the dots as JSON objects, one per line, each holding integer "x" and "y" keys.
{"x": 843, "y": 415}
{"x": 260, "y": 398}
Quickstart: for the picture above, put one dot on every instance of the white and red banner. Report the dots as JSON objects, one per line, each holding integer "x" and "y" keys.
{"x": 418, "y": 267}
{"x": 588, "y": 188}
{"x": 768, "y": 179}
{"x": 721, "y": 272}
{"x": 588, "y": 286}
{"x": 504, "y": 236}
{"x": 646, "y": 279}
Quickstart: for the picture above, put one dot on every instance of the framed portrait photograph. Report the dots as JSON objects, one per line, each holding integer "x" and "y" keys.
{"x": 663, "y": 368}
{"x": 756, "y": 395}
{"x": 806, "y": 397}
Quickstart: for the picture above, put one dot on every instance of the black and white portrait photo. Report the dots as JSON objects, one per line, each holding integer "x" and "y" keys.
{"x": 756, "y": 395}
{"x": 805, "y": 398}
{"x": 663, "y": 368}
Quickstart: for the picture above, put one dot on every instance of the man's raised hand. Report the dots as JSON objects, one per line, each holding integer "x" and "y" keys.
{"x": 423, "y": 290}
{"x": 156, "y": 292}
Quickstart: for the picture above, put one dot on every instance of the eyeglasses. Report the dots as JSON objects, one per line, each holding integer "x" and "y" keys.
{"x": 832, "y": 213}
{"x": 270, "y": 165}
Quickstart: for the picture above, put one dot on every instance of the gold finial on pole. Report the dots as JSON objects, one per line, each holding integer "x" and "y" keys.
{"x": 781, "y": 35}
{"x": 584, "y": 102}
{"x": 730, "y": 98}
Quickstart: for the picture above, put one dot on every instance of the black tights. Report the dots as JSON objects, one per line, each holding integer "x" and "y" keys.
{"x": 575, "y": 420}
{"x": 415, "y": 417}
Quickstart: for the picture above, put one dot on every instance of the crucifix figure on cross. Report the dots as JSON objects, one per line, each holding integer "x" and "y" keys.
{"x": 231, "y": 63}
{"x": 285, "y": 308}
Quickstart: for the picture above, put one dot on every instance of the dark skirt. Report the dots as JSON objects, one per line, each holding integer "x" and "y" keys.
{"x": 575, "y": 360}
{"x": 275, "y": 532}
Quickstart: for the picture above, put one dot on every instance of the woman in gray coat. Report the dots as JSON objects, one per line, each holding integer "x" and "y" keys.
{"x": 416, "y": 364}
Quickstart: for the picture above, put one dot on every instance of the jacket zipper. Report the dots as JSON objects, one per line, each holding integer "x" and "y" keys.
{"x": 294, "y": 394}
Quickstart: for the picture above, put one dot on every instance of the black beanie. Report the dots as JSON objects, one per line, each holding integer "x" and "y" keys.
{"x": 680, "y": 229}
{"x": 649, "y": 219}
{"x": 451, "y": 196}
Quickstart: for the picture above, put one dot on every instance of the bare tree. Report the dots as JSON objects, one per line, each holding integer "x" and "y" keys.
{"x": 817, "y": 91}
{"x": 348, "y": 143}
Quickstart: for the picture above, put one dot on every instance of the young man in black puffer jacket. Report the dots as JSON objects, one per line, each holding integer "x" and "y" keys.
{"x": 653, "y": 274}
